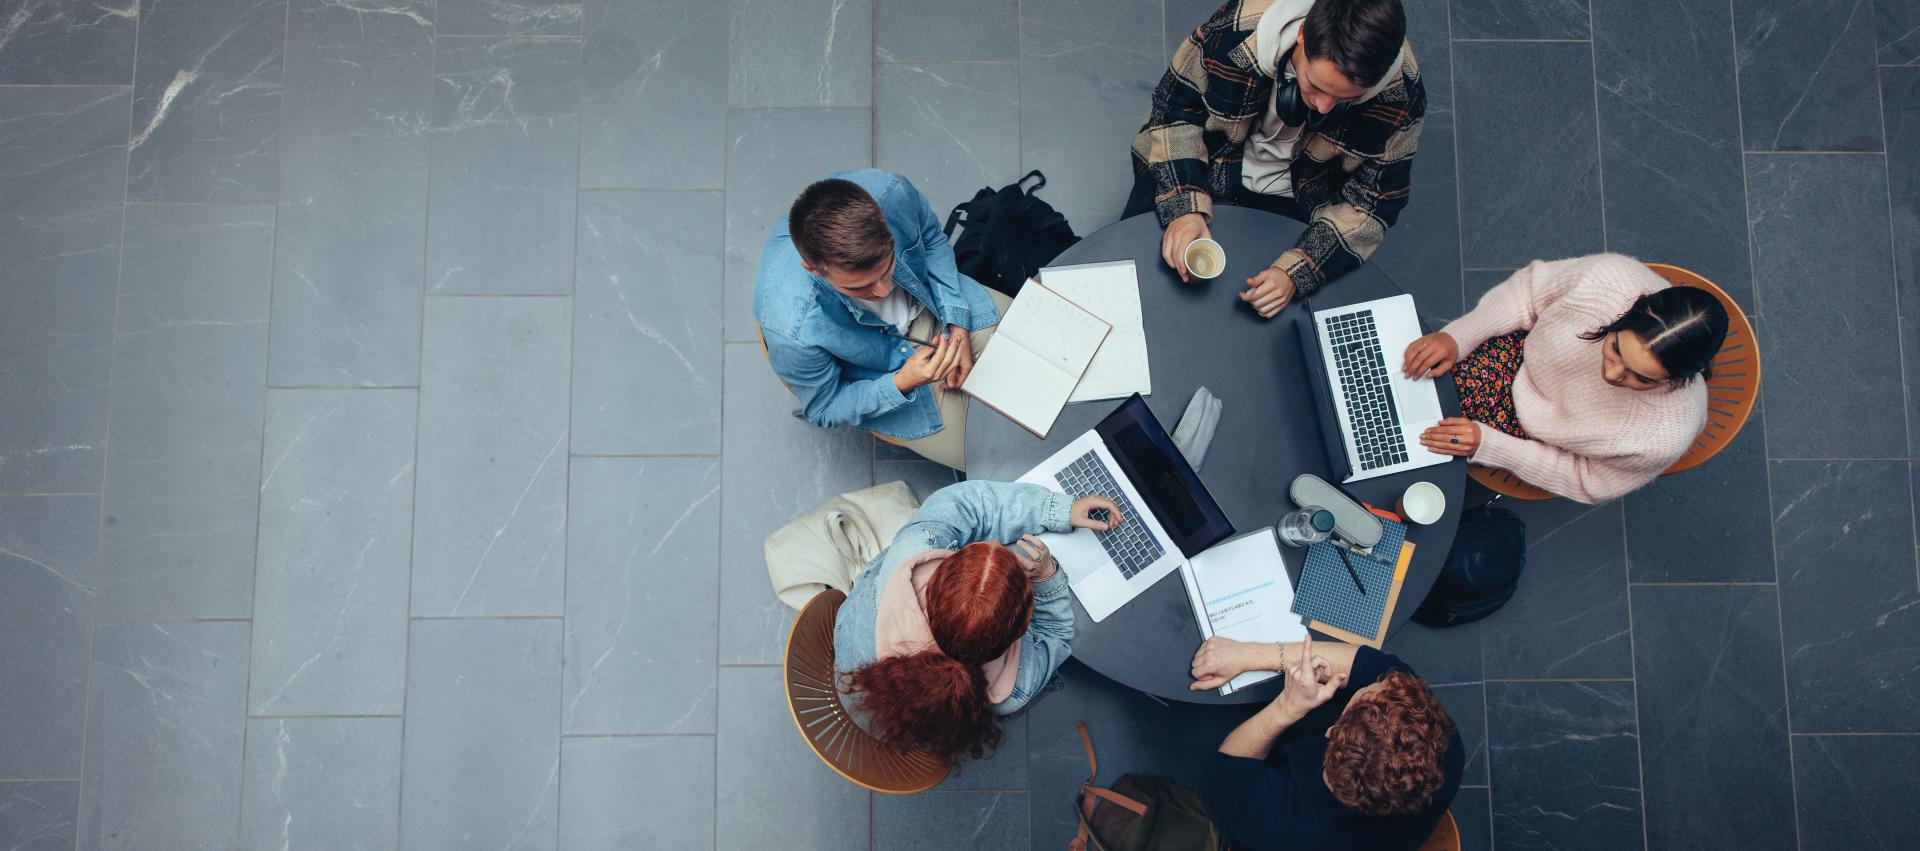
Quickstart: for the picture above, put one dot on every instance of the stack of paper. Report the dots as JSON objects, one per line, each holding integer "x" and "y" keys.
{"x": 1110, "y": 291}
{"x": 1239, "y": 590}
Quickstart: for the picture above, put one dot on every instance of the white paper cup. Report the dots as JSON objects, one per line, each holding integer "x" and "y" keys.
{"x": 1205, "y": 258}
{"x": 1422, "y": 503}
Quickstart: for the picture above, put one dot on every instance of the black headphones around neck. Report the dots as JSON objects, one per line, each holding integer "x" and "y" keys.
{"x": 1291, "y": 108}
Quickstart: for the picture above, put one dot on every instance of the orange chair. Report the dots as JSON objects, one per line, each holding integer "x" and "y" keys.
{"x": 823, "y": 721}
{"x": 1446, "y": 837}
{"x": 1731, "y": 392}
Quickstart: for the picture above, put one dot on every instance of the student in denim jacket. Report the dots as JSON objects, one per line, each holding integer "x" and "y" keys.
{"x": 859, "y": 266}
{"x": 948, "y": 627}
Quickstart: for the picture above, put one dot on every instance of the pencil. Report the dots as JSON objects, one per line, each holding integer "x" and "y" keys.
{"x": 910, "y": 338}
{"x": 1350, "y": 571}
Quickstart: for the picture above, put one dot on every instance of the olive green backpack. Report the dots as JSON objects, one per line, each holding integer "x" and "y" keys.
{"x": 1140, "y": 812}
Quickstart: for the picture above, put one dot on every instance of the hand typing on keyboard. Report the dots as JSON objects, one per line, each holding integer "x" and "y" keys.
{"x": 1096, "y": 512}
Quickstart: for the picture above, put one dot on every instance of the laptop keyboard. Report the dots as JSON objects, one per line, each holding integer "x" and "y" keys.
{"x": 1132, "y": 547}
{"x": 1374, "y": 423}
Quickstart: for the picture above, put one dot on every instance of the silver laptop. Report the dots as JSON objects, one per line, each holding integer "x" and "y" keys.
{"x": 1167, "y": 513}
{"x": 1381, "y": 413}
{"x": 1105, "y": 570}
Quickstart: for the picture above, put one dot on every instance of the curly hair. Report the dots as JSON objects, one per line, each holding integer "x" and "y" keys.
{"x": 1387, "y": 753}
{"x": 978, "y": 604}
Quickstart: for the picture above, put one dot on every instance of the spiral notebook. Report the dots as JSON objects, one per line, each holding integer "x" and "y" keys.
{"x": 1334, "y": 606}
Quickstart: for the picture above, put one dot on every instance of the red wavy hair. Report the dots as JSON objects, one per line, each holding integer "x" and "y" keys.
{"x": 978, "y": 605}
{"x": 1387, "y": 753}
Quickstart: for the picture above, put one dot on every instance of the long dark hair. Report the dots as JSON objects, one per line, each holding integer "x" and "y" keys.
{"x": 978, "y": 605}
{"x": 1682, "y": 326}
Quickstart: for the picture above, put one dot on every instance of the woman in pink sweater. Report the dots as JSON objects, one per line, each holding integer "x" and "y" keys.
{"x": 1580, "y": 377}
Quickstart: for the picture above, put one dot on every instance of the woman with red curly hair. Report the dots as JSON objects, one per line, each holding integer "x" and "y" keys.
{"x": 1327, "y": 766}
{"x": 948, "y": 627}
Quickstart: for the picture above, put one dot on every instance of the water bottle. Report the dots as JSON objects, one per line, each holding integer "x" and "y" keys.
{"x": 1306, "y": 527}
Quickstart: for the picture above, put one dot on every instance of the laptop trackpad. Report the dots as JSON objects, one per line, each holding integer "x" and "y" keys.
{"x": 1419, "y": 401}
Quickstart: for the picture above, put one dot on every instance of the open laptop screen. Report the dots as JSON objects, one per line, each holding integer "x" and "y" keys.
{"x": 1173, "y": 491}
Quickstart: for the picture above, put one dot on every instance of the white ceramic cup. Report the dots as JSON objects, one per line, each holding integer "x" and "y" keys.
{"x": 1205, "y": 258}
{"x": 1422, "y": 503}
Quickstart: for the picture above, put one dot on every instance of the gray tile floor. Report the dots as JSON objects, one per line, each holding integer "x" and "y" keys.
{"x": 385, "y": 453}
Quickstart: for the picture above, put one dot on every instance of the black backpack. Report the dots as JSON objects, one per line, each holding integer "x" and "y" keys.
{"x": 1140, "y": 812}
{"x": 1482, "y": 569}
{"x": 1008, "y": 234}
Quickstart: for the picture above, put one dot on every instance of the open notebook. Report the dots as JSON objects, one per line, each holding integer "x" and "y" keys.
{"x": 1111, "y": 291}
{"x": 1036, "y": 357}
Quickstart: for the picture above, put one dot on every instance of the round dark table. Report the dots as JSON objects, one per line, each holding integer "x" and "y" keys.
{"x": 1202, "y": 334}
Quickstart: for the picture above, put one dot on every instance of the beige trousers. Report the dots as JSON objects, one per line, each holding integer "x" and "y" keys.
{"x": 949, "y": 445}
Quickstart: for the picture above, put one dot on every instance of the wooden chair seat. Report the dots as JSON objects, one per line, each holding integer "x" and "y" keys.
{"x": 1731, "y": 393}
{"x": 1446, "y": 837}
{"x": 823, "y": 720}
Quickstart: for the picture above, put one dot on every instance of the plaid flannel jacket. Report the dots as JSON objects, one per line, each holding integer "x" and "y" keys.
{"x": 1350, "y": 171}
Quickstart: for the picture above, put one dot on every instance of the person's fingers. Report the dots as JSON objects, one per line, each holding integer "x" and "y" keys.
{"x": 1209, "y": 682}
{"x": 1333, "y": 686}
{"x": 1113, "y": 510}
{"x": 1421, "y": 358}
{"x": 1083, "y": 512}
{"x": 944, "y": 363}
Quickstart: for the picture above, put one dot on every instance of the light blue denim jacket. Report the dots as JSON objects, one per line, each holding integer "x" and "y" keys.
{"x": 835, "y": 354}
{"x": 952, "y": 518}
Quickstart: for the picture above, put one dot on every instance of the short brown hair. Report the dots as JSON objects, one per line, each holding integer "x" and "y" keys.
{"x": 1361, "y": 37}
{"x": 1387, "y": 754}
{"x": 836, "y": 225}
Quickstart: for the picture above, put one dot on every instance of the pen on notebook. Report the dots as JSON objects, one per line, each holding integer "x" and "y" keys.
{"x": 1350, "y": 571}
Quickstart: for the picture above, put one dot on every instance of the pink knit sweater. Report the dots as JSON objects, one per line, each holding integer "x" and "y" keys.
{"x": 1590, "y": 441}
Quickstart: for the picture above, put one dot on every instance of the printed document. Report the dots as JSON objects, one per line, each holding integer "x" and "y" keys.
{"x": 1240, "y": 590}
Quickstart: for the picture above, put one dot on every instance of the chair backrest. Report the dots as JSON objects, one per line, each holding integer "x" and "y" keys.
{"x": 823, "y": 721}
{"x": 1735, "y": 385}
{"x": 1731, "y": 392}
{"x": 1446, "y": 837}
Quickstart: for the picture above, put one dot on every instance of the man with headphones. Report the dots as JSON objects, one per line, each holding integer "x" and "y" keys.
{"x": 1308, "y": 108}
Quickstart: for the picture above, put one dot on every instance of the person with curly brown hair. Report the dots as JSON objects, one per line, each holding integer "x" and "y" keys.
{"x": 1327, "y": 765}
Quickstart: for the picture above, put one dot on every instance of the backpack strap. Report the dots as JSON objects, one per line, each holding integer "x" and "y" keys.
{"x": 1090, "y": 792}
